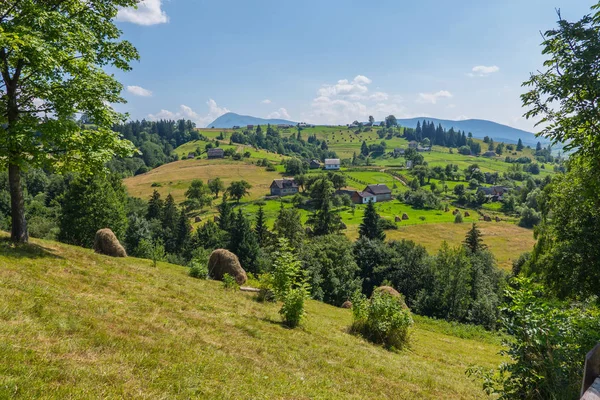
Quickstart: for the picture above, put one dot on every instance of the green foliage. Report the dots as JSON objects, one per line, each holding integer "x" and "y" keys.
{"x": 382, "y": 320}
{"x": 197, "y": 195}
{"x": 292, "y": 310}
{"x": 458, "y": 218}
{"x": 89, "y": 204}
{"x": 216, "y": 186}
{"x": 294, "y": 166}
{"x": 331, "y": 269}
{"x": 198, "y": 270}
{"x": 371, "y": 226}
{"x": 288, "y": 225}
{"x": 422, "y": 199}
{"x": 153, "y": 250}
{"x": 238, "y": 189}
{"x": 547, "y": 345}
{"x": 474, "y": 239}
{"x": 529, "y": 217}
{"x": 229, "y": 282}
{"x": 243, "y": 243}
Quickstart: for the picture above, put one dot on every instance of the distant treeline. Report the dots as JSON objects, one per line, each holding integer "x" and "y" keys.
{"x": 155, "y": 140}
{"x": 437, "y": 135}
{"x": 271, "y": 140}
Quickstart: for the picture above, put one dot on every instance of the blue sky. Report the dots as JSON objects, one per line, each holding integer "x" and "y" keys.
{"x": 334, "y": 61}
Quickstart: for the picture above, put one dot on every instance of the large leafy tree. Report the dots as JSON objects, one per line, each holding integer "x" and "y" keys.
{"x": 238, "y": 189}
{"x": 52, "y": 55}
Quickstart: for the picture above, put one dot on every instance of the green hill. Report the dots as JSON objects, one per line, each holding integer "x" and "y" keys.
{"x": 75, "y": 324}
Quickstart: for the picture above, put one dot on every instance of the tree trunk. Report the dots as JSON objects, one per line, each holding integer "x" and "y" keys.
{"x": 17, "y": 203}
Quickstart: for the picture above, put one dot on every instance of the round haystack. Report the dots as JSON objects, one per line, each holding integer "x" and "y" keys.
{"x": 392, "y": 292}
{"x": 107, "y": 243}
{"x": 197, "y": 219}
{"x": 487, "y": 218}
{"x": 223, "y": 262}
{"x": 404, "y": 216}
{"x": 397, "y": 219}
{"x": 498, "y": 219}
{"x": 454, "y": 212}
{"x": 347, "y": 304}
{"x": 343, "y": 225}
{"x": 467, "y": 214}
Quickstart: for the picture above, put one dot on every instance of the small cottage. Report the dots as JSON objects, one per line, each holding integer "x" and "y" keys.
{"x": 363, "y": 197}
{"x": 332, "y": 163}
{"x": 283, "y": 187}
{"x": 215, "y": 153}
{"x": 315, "y": 164}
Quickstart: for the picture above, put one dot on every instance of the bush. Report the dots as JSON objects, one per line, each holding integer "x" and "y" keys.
{"x": 382, "y": 319}
{"x": 421, "y": 199}
{"x": 198, "y": 270}
{"x": 265, "y": 285}
{"x": 229, "y": 282}
{"x": 292, "y": 310}
{"x": 386, "y": 224}
{"x": 458, "y": 219}
{"x": 529, "y": 217}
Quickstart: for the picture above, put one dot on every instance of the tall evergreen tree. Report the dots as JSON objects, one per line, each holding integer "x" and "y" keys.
{"x": 155, "y": 206}
{"x": 370, "y": 227}
{"x": 473, "y": 240}
{"x": 225, "y": 214}
{"x": 260, "y": 228}
{"x": 364, "y": 149}
{"x": 289, "y": 225}
{"x": 170, "y": 218}
{"x": 325, "y": 220}
{"x": 243, "y": 243}
{"x": 520, "y": 145}
{"x": 184, "y": 230}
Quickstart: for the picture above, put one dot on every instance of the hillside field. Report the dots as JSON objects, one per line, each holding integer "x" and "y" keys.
{"x": 75, "y": 324}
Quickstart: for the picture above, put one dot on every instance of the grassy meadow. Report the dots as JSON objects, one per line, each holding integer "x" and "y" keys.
{"x": 78, "y": 325}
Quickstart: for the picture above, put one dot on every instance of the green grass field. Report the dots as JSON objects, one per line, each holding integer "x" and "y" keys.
{"x": 79, "y": 325}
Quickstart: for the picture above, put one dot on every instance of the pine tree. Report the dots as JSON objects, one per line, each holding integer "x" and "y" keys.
{"x": 289, "y": 225}
{"x": 520, "y": 145}
{"x": 169, "y": 221}
{"x": 370, "y": 227}
{"x": 260, "y": 228}
{"x": 325, "y": 221}
{"x": 225, "y": 214}
{"x": 473, "y": 240}
{"x": 299, "y": 136}
{"x": 184, "y": 229}
{"x": 155, "y": 206}
{"x": 364, "y": 149}
{"x": 538, "y": 147}
{"x": 243, "y": 243}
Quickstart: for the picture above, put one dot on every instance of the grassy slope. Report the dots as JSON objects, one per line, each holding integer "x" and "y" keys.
{"x": 78, "y": 325}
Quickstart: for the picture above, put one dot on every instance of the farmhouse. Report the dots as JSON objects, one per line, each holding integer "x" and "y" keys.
{"x": 250, "y": 127}
{"x": 283, "y": 126}
{"x": 363, "y": 197}
{"x": 421, "y": 149}
{"x": 191, "y": 155}
{"x": 315, "y": 164}
{"x": 399, "y": 152}
{"x": 215, "y": 153}
{"x": 380, "y": 191}
{"x": 332, "y": 163}
{"x": 413, "y": 144}
{"x": 283, "y": 187}
{"x": 494, "y": 193}
{"x": 236, "y": 127}
{"x": 489, "y": 154}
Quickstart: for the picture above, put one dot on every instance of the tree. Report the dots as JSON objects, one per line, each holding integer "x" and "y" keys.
{"x": 243, "y": 243}
{"x": 459, "y": 189}
{"x": 289, "y": 225}
{"x": 338, "y": 180}
{"x": 390, "y": 121}
{"x": 226, "y": 216}
{"x": 371, "y": 120}
{"x": 370, "y": 227}
{"x": 473, "y": 240}
{"x": 52, "y": 56}
{"x": 155, "y": 206}
{"x": 89, "y": 204}
{"x": 197, "y": 195}
{"x": 216, "y": 186}
{"x": 364, "y": 149}
{"x": 260, "y": 227}
{"x": 325, "y": 221}
{"x": 170, "y": 218}
{"x": 538, "y": 147}
{"x": 294, "y": 166}
{"x": 520, "y": 145}
{"x": 238, "y": 189}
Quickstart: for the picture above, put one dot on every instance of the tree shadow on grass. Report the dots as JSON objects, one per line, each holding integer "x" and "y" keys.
{"x": 26, "y": 250}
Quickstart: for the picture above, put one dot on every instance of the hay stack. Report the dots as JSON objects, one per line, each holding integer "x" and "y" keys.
{"x": 223, "y": 262}
{"x": 467, "y": 214}
{"x": 343, "y": 225}
{"x": 397, "y": 219}
{"x": 197, "y": 219}
{"x": 404, "y": 216}
{"x": 455, "y": 212}
{"x": 498, "y": 219}
{"x": 487, "y": 218}
{"x": 216, "y": 218}
{"x": 347, "y": 304}
{"x": 107, "y": 243}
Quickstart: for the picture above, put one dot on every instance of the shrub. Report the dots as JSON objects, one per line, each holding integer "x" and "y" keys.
{"x": 265, "y": 285}
{"x": 386, "y": 224}
{"x": 292, "y": 310}
{"x": 383, "y": 319}
{"x": 198, "y": 270}
{"x": 229, "y": 282}
{"x": 421, "y": 199}
{"x": 458, "y": 219}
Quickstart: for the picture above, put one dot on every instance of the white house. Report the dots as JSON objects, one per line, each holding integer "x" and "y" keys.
{"x": 332, "y": 163}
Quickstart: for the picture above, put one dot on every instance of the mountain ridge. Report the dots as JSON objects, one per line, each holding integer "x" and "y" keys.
{"x": 478, "y": 127}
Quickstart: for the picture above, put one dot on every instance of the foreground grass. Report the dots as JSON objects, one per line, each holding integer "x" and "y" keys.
{"x": 78, "y": 325}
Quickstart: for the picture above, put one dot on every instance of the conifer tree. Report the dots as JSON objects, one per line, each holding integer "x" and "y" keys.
{"x": 243, "y": 243}
{"x": 364, "y": 149}
{"x": 170, "y": 218}
{"x": 184, "y": 229}
{"x": 225, "y": 214}
{"x": 473, "y": 240}
{"x": 325, "y": 221}
{"x": 289, "y": 225}
{"x": 520, "y": 145}
{"x": 370, "y": 227}
{"x": 260, "y": 228}
{"x": 155, "y": 206}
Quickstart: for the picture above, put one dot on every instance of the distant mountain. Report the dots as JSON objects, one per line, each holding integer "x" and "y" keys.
{"x": 230, "y": 120}
{"x": 480, "y": 128}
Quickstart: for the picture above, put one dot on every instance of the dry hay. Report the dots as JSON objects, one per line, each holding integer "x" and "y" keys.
{"x": 390, "y": 291}
{"x": 487, "y": 218}
{"x": 404, "y": 216}
{"x": 223, "y": 262}
{"x": 467, "y": 214}
{"x": 107, "y": 243}
{"x": 347, "y": 304}
{"x": 397, "y": 219}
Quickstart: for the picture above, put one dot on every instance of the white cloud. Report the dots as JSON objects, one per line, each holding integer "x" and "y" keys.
{"x": 482, "y": 70}
{"x": 281, "y": 113}
{"x": 186, "y": 112}
{"x": 265, "y": 101}
{"x": 139, "y": 91}
{"x": 433, "y": 98}
{"x": 148, "y": 12}
{"x": 343, "y": 87}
